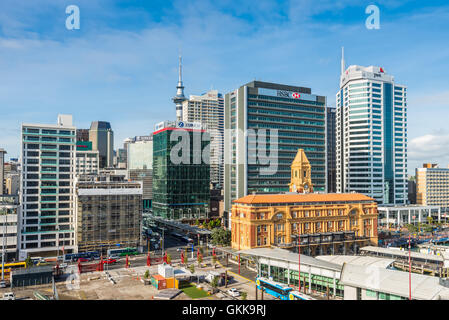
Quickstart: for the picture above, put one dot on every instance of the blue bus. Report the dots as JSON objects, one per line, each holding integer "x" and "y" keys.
{"x": 72, "y": 257}
{"x": 296, "y": 295}
{"x": 276, "y": 289}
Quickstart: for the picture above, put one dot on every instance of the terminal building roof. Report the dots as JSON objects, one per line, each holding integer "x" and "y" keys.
{"x": 393, "y": 282}
{"x": 400, "y": 253}
{"x": 358, "y": 260}
{"x": 288, "y": 256}
{"x": 302, "y": 198}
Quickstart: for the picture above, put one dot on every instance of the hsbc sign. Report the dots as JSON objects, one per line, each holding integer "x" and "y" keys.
{"x": 288, "y": 94}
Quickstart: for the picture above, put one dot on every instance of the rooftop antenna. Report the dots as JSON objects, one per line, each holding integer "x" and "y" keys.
{"x": 342, "y": 60}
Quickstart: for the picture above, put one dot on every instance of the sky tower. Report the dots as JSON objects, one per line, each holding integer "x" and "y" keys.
{"x": 179, "y": 98}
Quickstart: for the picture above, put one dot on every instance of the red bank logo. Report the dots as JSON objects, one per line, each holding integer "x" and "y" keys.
{"x": 296, "y": 95}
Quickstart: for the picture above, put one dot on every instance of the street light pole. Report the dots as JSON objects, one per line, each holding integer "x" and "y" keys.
{"x": 409, "y": 269}
{"x": 3, "y": 249}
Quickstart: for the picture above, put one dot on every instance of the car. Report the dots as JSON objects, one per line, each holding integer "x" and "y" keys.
{"x": 9, "y": 296}
{"x": 2, "y": 284}
{"x": 109, "y": 261}
{"x": 114, "y": 256}
{"x": 83, "y": 260}
{"x": 233, "y": 292}
{"x": 63, "y": 265}
{"x": 179, "y": 249}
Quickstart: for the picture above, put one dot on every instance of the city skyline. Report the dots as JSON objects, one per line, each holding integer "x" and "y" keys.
{"x": 121, "y": 66}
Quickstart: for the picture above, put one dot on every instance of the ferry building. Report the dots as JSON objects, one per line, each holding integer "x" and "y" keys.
{"x": 333, "y": 223}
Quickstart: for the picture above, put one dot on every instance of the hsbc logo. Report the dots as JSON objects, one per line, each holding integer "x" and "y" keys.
{"x": 288, "y": 94}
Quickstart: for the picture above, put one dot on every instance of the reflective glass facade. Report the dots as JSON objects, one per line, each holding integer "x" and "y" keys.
{"x": 181, "y": 191}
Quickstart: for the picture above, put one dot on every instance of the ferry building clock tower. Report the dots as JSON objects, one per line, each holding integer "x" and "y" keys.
{"x": 301, "y": 181}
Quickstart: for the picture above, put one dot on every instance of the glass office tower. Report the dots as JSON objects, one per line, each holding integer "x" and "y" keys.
{"x": 300, "y": 120}
{"x": 372, "y": 135}
{"x": 181, "y": 191}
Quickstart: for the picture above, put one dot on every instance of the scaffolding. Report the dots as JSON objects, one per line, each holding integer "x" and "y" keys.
{"x": 108, "y": 214}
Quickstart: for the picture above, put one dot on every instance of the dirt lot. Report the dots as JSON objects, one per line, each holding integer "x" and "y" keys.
{"x": 128, "y": 286}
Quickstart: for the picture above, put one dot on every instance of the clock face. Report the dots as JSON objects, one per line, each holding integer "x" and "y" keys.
{"x": 306, "y": 186}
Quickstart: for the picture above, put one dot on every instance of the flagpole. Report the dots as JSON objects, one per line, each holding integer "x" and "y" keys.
{"x": 409, "y": 269}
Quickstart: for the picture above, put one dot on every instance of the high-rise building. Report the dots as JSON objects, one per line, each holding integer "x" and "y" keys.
{"x": 47, "y": 217}
{"x": 432, "y": 185}
{"x": 9, "y": 211}
{"x": 87, "y": 160}
{"x": 181, "y": 174}
{"x": 102, "y": 138}
{"x": 108, "y": 212}
{"x": 300, "y": 120}
{"x": 179, "y": 98}
{"x": 209, "y": 110}
{"x": 372, "y": 134}
{"x": 82, "y": 135}
{"x": 331, "y": 150}
{"x": 140, "y": 165}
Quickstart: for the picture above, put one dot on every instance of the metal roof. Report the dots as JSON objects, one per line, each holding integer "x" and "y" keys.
{"x": 400, "y": 253}
{"x": 393, "y": 282}
{"x": 285, "y": 255}
{"x": 33, "y": 270}
{"x": 358, "y": 260}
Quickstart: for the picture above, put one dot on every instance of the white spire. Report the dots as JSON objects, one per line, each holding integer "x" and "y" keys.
{"x": 179, "y": 98}
{"x": 342, "y": 60}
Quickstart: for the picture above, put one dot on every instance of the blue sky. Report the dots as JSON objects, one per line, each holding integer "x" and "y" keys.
{"x": 121, "y": 65}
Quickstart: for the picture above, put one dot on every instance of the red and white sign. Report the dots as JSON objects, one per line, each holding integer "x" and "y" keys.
{"x": 296, "y": 95}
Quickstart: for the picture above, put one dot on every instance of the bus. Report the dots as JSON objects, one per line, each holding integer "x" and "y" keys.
{"x": 123, "y": 252}
{"x": 276, "y": 289}
{"x": 72, "y": 257}
{"x": 296, "y": 295}
{"x": 13, "y": 266}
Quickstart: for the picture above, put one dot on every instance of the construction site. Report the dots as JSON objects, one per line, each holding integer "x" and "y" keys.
{"x": 109, "y": 213}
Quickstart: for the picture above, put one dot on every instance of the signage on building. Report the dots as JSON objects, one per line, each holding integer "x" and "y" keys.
{"x": 188, "y": 125}
{"x": 287, "y": 94}
{"x": 84, "y": 145}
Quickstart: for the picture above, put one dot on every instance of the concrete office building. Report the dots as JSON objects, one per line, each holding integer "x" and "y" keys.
{"x": 46, "y": 220}
{"x": 372, "y": 134}
{"x": 181, "y": 186}
{"x": 102, "y": 138}
{"x": 209, "y": 110}
{"x": 9, "y": 211}
{"x": 432, "y": 185}
{"x": 140, "y": 165}
{"x": 82, "y": 135}
{"x": 87, "y": 160}
{"x": 331, "y": 150}
{"x": 300, "y": 120}
{"x": 108, "y": 212}
{"x": 12, "y": 183}
{"x": 140, "y": 153}
{"x": 400, "y": 215}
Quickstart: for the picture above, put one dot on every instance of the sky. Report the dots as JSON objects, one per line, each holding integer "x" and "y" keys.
{"x": 121, "y": 64}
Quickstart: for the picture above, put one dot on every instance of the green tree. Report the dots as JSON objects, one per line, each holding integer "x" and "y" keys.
{"x": 29, "y": 262}
{"x": 147, "y": 274}
{"x": 200, "y": 259}
{"x": 244, "y": 295}
{"x": 214, "y": 260}
{"x": 186, "y": 258}
{"x": 197, "y": 222}
{"x": 168, "y": 258}
{"x": 429, "y": 220}
{"x": 411, "y": 227}
{"x": 221, "y": 237}
{"x": 192, "y": 268}
{"x": 211, "y": 224}
{"x": 214, "y": 282}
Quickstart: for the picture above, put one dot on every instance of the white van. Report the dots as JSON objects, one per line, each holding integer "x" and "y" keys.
{"x": 9, "y": 296}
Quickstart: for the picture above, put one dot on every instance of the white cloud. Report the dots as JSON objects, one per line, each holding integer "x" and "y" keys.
{"x": 429, "y": 148}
